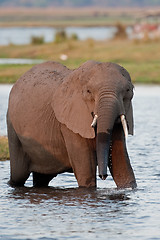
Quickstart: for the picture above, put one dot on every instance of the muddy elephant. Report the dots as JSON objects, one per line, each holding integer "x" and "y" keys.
{"x": 61, "y": 120}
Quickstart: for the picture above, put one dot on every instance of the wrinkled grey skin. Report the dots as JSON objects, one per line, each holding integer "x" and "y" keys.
{"x": 49, "y": 118}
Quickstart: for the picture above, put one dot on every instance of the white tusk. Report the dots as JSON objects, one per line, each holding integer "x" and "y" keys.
{"x": 124, "y": 124}
{"x": 94, "y": 121}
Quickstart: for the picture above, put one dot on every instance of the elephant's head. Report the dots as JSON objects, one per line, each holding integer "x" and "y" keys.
{"x": 92, "y": 102}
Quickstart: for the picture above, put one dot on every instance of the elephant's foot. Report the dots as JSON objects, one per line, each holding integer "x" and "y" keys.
{"x": 15, "y": 184}
{"x": 86, "y": 182}
{"x": 132, "y": 185}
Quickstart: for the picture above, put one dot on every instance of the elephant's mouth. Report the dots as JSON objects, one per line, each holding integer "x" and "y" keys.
{"x": 122, "y": 119}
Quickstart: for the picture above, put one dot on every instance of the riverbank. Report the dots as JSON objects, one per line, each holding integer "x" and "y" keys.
{"x": 140, "y": 58}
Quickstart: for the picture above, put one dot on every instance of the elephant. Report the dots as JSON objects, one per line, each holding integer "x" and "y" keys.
{"x": 71, "y": 120}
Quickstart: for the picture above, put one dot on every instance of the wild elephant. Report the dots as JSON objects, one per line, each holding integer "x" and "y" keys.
{"x": 63, "y": 120}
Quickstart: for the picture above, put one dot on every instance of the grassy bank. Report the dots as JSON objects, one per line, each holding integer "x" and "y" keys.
{"x": 9, "y": 73}
{"x": 141, "y": 59}
{"x": 4, "y": 152}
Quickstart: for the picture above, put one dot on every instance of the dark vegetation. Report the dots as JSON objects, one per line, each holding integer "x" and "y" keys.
{"x": 37, "y": 40}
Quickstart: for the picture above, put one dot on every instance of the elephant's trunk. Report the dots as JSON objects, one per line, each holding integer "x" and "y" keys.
{"x": 108, "y": 111}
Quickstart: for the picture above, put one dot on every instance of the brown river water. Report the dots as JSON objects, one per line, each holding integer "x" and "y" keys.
{"x": 64, "y": 211}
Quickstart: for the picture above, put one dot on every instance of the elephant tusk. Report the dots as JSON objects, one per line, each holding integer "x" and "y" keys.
{"x": 94, "y": 121}
{"x": 124, "y": 124}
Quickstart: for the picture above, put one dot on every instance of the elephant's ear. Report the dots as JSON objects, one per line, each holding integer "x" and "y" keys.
{"x": 71, "y": 109}
{"x": 129, "y": 117}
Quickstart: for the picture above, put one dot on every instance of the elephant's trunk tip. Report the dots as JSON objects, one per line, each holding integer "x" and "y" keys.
{"x": 103, "y": 177}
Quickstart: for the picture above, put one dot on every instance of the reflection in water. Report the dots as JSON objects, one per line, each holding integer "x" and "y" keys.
{"x": 71, "y": 196}
{"x": 4, "y": 94}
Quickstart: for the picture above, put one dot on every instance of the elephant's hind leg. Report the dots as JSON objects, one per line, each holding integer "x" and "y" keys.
{"x": 42, "y": 180}
{"x": 19, "y": 160}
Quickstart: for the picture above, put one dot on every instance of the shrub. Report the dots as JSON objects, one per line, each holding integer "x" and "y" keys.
{"x": 60, "y": 36}
{"x": 121, "y": 32}
{"x": 37, "y": 40}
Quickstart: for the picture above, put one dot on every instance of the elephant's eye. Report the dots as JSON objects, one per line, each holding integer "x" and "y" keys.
{"x": 87, "y": 94}
{"x": 128, "y": 90}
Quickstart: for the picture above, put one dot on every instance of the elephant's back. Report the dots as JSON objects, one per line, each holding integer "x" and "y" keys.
{"x": 49, "y": 74}
{"x": 31, "y": 96}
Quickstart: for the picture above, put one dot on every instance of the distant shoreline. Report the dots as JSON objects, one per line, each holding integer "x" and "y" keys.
{"x": 63, "y": 17}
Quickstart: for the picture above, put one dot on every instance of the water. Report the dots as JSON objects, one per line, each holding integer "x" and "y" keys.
{"x": 20, "y": 61}
{"x": 4, "y": 94}
{"x": 23, "y": 35}
{"x": 64, "y": 211}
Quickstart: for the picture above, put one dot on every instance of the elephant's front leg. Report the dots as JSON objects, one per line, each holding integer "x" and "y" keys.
{"x": 82, "y": 157}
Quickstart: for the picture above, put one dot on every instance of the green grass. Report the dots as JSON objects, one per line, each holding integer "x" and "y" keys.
{"x": 142, "y": 59}
{"x": 9, "y": 73}
{"x": 146, "y": 73}
{"x": 4, "y": 151}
